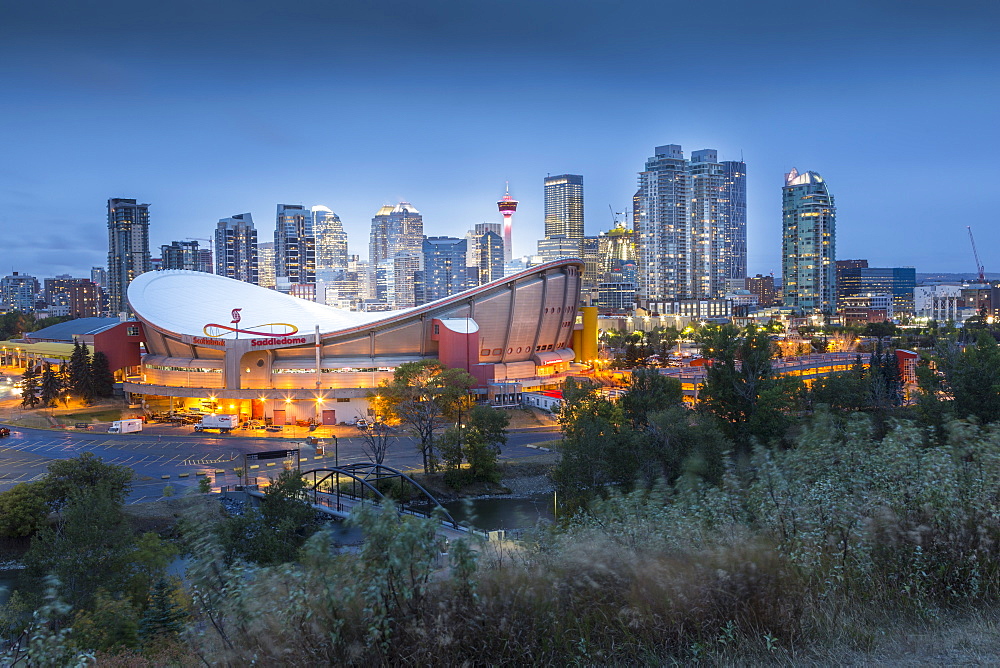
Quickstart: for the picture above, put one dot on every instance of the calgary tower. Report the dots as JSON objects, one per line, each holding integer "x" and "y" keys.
{"x": 507, "y": 206}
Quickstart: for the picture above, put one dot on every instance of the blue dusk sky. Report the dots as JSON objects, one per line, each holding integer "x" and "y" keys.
{"x": 208, "y": 108}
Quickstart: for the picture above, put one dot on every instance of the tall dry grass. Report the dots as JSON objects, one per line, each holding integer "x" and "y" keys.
{"x": 799, "y": 552}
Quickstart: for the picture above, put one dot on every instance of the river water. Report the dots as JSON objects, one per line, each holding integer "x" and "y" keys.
{"x": 504, "y": 513}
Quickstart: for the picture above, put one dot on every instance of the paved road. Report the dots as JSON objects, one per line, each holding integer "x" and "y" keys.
{"x": 162, "y": 459}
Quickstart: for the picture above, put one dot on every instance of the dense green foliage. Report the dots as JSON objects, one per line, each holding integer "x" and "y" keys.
{"x": 425, "y": 396}
{"x": 23, "y": 509}
{"x": 475, "y": 443}
{"x": 273, "y": 532}
{"x": 753, "y": 403}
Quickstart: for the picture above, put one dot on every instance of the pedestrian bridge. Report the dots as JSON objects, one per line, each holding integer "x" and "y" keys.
{"x": 337, "y": 490}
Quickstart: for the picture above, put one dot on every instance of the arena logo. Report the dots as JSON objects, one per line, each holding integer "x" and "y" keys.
{"x": 202, "y": 341}
{"x": 288, "y": 341}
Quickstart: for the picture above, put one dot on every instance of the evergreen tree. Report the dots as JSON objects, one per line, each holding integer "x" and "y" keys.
{"x": 164, "y": 618}
{"x": 102, "y": 380}
{"x": 51, "y": 386}
{"x": 29, "y": 388}
{"x": 80, "y": 380}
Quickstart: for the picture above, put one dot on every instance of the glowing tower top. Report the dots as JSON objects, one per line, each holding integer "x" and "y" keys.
{"x": 507, "y": 206}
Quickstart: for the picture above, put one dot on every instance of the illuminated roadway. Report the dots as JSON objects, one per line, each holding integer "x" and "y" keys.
{"x": 159, "y": 456}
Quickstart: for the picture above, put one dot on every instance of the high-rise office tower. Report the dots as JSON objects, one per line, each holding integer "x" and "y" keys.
{"x": 733, "y": 214}
{"x": 690, "y": 218}
{"x": 808, "y": 248}
{"x": 472, "y": 239}
{"x": 444, "y": 271}
{"x": 294, "y": 245}
{"x": 396, "y": 231}
{"x": 128, "y": 248}
{"x": 490, "y": 249}
{"x": 507, "y": 206}
{"x": 265, "y": 265}
{"x": 590, "y": 253}
{"x": 855, "y": 277}
{"x": 564, "y": 206}
{"x": 331, "y": 240}
{"x": 236, "y": 248}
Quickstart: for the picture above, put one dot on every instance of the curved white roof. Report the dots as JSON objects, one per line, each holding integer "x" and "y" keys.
{"x": 186, "y": 302}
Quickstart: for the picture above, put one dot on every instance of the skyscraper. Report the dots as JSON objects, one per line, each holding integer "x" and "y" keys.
{"x": 265, "y": 265}
{"x": 444, "y": 271}
{"x": 128, "y": 248}
{"x": 490, "y": 261}
{"x": 473, "y": 239}
{"x": 733, "y": 214}
{"x": 236, "y": 248}
{"x": 331, "y": 240}
{"x": 396, "y": 231}
{"x": 564, "y": 206}
{"x": 690, "y": 218}
{"x": 808, "y": 248}
{"x": 294, "y": 245}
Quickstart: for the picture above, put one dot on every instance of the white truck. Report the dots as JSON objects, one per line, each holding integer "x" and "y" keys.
{"x": 224, "y": 422}
{"x": 125, "y": 426}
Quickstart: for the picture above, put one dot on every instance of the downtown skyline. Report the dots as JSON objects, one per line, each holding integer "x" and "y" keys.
{"x": 200, "y": 129}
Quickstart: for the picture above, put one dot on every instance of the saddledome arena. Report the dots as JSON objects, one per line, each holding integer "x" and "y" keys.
{"x": 220, "y": 344}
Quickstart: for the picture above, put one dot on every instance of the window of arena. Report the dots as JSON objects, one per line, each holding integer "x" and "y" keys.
{"x": 182, "y": 368}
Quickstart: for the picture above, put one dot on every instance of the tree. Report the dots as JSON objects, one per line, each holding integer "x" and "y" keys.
{"x": 596, "y": 451}
{"x": 682, "y": 441}
{"x": 89, "y": 547}
{"x": 87, "y": 472}
{"x": 973, "y": 377}
{"x": 111, "y": 623}
{"x": 846, "y": 390}
{"x": 51, "y": 386}
{"x": 375, "y": 441}
{"x": 80, "y": 379}
{"x": 478, "y": 442}
{"x": 164, "y": 618}
{"x": 274, "y": 532}
{"x": 741, "y": 389}
{"x": 23, "y": 509}
{"x": 649, "y": 391}
{"x": 29, "y": 388}
{"x": 101, "y": 379}
{"x": 425, "y": 395}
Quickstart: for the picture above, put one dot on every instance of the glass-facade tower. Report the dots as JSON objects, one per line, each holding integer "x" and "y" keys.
{"x": 564, "y": 206}
{"x": 236, "y": 248}
{"x": 690, "y": 220}
{"x": 331, "y": 240}
{"x": 294, "y": 244}
{"x": 809, "y": 243}
{"x": 128, "y": 248}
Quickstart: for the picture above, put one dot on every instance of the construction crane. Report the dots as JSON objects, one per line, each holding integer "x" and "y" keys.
{"x": 979, "y": 267}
